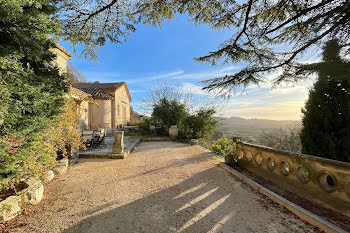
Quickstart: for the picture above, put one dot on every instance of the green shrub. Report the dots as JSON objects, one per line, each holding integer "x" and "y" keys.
{"x": 225, "y": 147}
{"x": 22, "y": 158}
{"x": 198, "y": 126}
{"x": 144, "y": 126}
{"x": 167, "y": 113}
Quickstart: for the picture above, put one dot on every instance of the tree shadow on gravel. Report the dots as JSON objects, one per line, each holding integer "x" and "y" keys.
{"x": 198, "y": 204}
{"x": 201, "y": 203}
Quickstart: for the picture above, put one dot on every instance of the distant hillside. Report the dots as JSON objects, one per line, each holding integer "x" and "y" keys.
{"x": 249, "y": 129}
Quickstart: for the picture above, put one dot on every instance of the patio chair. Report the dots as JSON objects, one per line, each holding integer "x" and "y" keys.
{"x": 89, "y": 137}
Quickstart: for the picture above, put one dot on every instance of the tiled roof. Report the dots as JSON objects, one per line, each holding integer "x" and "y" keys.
{"x": 98, "y": 90}
{"x": 80, "y": 93}
{"x": 111, "y": 86}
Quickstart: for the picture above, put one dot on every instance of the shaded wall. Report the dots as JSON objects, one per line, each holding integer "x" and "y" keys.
{"x": 61, "y": 60}
{"x": 122, "y": 106}
{"x": 83, "y": 115}
{"x": 100, "y": 115}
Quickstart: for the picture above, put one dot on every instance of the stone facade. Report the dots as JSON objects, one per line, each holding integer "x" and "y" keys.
{"x": 105, "y": 105}
{"x": 62, "y": 56}
{"x": 111, "y": 107}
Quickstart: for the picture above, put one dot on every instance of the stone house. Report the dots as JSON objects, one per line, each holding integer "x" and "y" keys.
{"x": 111, "y": 107}
{"x": 101, "y": 105}
{"x": 62, "y": 56}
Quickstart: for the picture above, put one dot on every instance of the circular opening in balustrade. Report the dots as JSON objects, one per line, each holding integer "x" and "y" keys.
{"x": 303, "y": 174}
{"x": 258, "y": 159}
{"x": 285, "y": 168}
{"x": 249, "y": 155}
{"x": 327, "y": 181}
{"x": 270, "y": 163}
{"x": 240, "y": 154}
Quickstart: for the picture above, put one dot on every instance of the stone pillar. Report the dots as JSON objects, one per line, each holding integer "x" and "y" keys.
{"x": 118, "y": 145}
{"x": 89, "y": 115}
{"x": 113, "y": 114}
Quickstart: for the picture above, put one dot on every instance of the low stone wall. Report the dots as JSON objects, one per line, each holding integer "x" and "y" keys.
{"x": 32, "y": 194}
{"x": 324, "y": 181}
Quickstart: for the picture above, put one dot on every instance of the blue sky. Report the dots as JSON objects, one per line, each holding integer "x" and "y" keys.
{"x": 166, "y": 54}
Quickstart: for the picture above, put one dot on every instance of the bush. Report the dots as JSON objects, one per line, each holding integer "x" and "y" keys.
{"x": 33, "y": 157}
{"x": 62, "y": 133}
{"x": 225, "y": 147}
{"x": 144, "y": 126}
{"x": 167, "y": 113}
{"x": 200, "y": 126}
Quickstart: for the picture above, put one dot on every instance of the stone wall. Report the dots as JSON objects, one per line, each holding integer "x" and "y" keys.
{"x": 62, "y": 56}
{"x": 122, "y": 106}
{"x": 324, "y": 181}
{"x": 101, "y": 114}
{"x": 84, "y": 115}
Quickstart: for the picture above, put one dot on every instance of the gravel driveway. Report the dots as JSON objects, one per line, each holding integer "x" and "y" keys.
{"x": 162, "y": 187}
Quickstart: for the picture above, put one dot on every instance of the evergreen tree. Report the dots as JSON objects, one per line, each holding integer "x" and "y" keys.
{"x": 326, "y": 117}
{"x": 32, "y": 90}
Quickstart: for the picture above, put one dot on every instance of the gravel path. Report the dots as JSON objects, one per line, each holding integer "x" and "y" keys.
{"x": 162, "y": 187}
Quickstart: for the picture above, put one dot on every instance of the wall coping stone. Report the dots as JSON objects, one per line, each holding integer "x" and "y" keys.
{"x": 311, "y": 157}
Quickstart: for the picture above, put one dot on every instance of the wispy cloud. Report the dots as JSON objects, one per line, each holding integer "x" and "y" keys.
{"x": 154, "y": 77}
{"x": 198, "y": 90}
{"x": 193, "y": 89}
{"x": 205, "y": 74}
{"x": 165, "y": 75}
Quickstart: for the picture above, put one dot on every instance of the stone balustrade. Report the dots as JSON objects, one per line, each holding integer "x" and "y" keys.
{"x": 324, "y": 181}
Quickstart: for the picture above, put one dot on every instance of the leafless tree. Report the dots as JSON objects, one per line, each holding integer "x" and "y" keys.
{"x": 192, "y": 102}
{"x": 283, "y": 138}
{"x": 74, "y": 76}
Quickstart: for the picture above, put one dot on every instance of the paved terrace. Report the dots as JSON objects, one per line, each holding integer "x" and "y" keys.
{"x": 163, "y": 187}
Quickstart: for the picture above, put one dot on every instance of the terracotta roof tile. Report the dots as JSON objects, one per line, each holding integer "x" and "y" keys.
{"x": 98, "y": 90}
{"x": 99, "y": 85}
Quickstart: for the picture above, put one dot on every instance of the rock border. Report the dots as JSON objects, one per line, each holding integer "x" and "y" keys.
{"x": 33, "y": 194}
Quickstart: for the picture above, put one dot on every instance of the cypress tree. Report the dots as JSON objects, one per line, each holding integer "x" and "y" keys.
{"x": 326, "y": 117}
